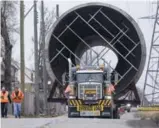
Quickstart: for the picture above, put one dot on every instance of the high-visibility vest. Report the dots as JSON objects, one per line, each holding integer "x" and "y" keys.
{"x": 110, "y": 89}
{"x": 4, "y": 97}
{"x": 68, "y": 89}
{"x": 19, "y": 98}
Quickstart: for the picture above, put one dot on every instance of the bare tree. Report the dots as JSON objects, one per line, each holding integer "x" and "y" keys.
{"x": 8, "y": 26}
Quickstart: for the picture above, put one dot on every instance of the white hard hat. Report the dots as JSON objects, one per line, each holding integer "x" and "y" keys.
{"x": 3, "y": 88}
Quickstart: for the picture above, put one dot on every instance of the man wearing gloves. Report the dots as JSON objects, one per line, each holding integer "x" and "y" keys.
{"x": 17, "y": 98}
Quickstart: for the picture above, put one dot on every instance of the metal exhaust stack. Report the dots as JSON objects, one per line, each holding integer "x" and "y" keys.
{"x": 97, "y": 24}
{"x": 70, "y": 70}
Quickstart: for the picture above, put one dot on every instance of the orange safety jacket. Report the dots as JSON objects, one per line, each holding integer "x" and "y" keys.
{"x": 109, "y": 90}
{"x": 68, "y": 89}
{"x": 19, "y": 98}
{"x": 4, "y": 97}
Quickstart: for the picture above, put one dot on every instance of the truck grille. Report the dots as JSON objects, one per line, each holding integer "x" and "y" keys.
{"x": 90, "y": 91}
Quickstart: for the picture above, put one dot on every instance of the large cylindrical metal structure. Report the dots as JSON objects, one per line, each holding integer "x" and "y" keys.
{"x": 97, "y": 24}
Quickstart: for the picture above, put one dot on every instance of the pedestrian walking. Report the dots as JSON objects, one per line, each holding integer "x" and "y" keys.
{"x": 5, "y": 99}
{"x": 17, "y": 98}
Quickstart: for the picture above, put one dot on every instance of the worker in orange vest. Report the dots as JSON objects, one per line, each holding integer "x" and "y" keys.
{"x": 17, "y": 98}
{"x": 110, "y": 90}
{"x": 67, "y": 91}
{"x": 5, "y": 99}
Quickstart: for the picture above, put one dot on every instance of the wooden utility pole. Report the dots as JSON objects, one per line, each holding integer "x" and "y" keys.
{"x": 44, "y": 66}
{"x": 36, "y": 60}
{"x": 22, "y": 64}
{"x": 57, "y": 11}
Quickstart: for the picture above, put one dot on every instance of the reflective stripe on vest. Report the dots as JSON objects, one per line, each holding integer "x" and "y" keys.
{"x": 4, "y": 97}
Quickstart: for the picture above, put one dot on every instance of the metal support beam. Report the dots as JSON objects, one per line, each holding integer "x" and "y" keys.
{"x": 117, "y": 27}
{"x": 107, "y": 41}
{"x": 63, "y": 55}
{"x": 112, "y": 34}
{"x": 68, "y": 49}
{"x": 154, "y": 47}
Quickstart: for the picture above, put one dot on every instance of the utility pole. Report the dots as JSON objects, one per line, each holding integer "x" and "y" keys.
{"x": 22, "y": 64}
{"x": 57, "y": 11}
{"x": 36, "y": 60}
{"x": 44, "y": 66}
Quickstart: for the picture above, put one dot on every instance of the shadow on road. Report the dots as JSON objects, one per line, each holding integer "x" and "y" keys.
{"x": 141, "y": 124}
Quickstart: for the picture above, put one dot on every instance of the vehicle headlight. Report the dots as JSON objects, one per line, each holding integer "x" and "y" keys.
{"x": 72, "y": 97}
{"x": 108, "y": 97}
{"x": 128, "y": 105}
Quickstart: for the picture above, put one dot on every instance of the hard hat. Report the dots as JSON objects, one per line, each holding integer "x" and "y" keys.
{"x": 3, "y": 88}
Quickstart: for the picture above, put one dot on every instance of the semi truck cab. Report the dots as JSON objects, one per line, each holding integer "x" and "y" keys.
{"x": 88, "y": 96}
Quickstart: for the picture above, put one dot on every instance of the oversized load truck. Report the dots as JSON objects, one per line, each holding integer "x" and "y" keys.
{"x": 90, "y": 92}
{"x": 89, "y": 25}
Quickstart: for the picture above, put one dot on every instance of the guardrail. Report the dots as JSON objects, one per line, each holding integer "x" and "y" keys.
{"x": 149, "y": 112}
{"x": 149, "y": 108}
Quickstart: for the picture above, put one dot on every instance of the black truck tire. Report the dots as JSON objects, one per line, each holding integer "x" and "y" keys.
{"x": 128, "y": 110}
{"x": 69, "y": 113}
{"x": 116, "y": 114}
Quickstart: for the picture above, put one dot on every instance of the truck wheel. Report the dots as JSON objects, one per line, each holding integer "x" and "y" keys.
{"x": 69, "y": 113}
{"x": 116, "y": 114}
{"x": 128, "y": 110}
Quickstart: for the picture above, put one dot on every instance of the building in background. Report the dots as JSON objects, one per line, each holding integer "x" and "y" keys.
{"x": 29, "y": 77}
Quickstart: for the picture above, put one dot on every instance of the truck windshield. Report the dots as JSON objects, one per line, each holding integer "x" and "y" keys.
{"x": 89, "y": 77}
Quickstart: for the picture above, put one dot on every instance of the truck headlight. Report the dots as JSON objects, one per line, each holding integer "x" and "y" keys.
{"x": 72, "y": 97}
{"x": 108, "y": 97}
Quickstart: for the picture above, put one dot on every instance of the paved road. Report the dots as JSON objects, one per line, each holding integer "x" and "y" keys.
{"x": 126, "y": 121}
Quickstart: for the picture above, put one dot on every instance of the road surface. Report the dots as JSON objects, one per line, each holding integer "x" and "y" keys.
{"x": 127, "y": 121}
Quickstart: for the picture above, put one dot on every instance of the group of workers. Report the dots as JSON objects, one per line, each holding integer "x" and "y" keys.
{"x": 16, "y": 98}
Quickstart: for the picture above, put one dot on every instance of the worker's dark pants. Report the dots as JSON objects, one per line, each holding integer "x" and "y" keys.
{"x": 4, "y": 109}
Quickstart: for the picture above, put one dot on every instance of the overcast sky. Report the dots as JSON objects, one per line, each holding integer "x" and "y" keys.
{"x": 135, "y": 9}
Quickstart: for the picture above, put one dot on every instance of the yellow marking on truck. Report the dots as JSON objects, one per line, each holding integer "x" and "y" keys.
{"x": 100, "y": 102}
{"x": 103, "y": 102}
{"x": 90, "y": 91}
{"x": 77, "y": 102}
{"x": 74, "y": 103}
{"x": 80, "y": 102}
{"x": 70, "y": 102}
{"x": 109, "y": 103}
{"x": 106, "y": 102}
{"x": 89, "y": 108}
